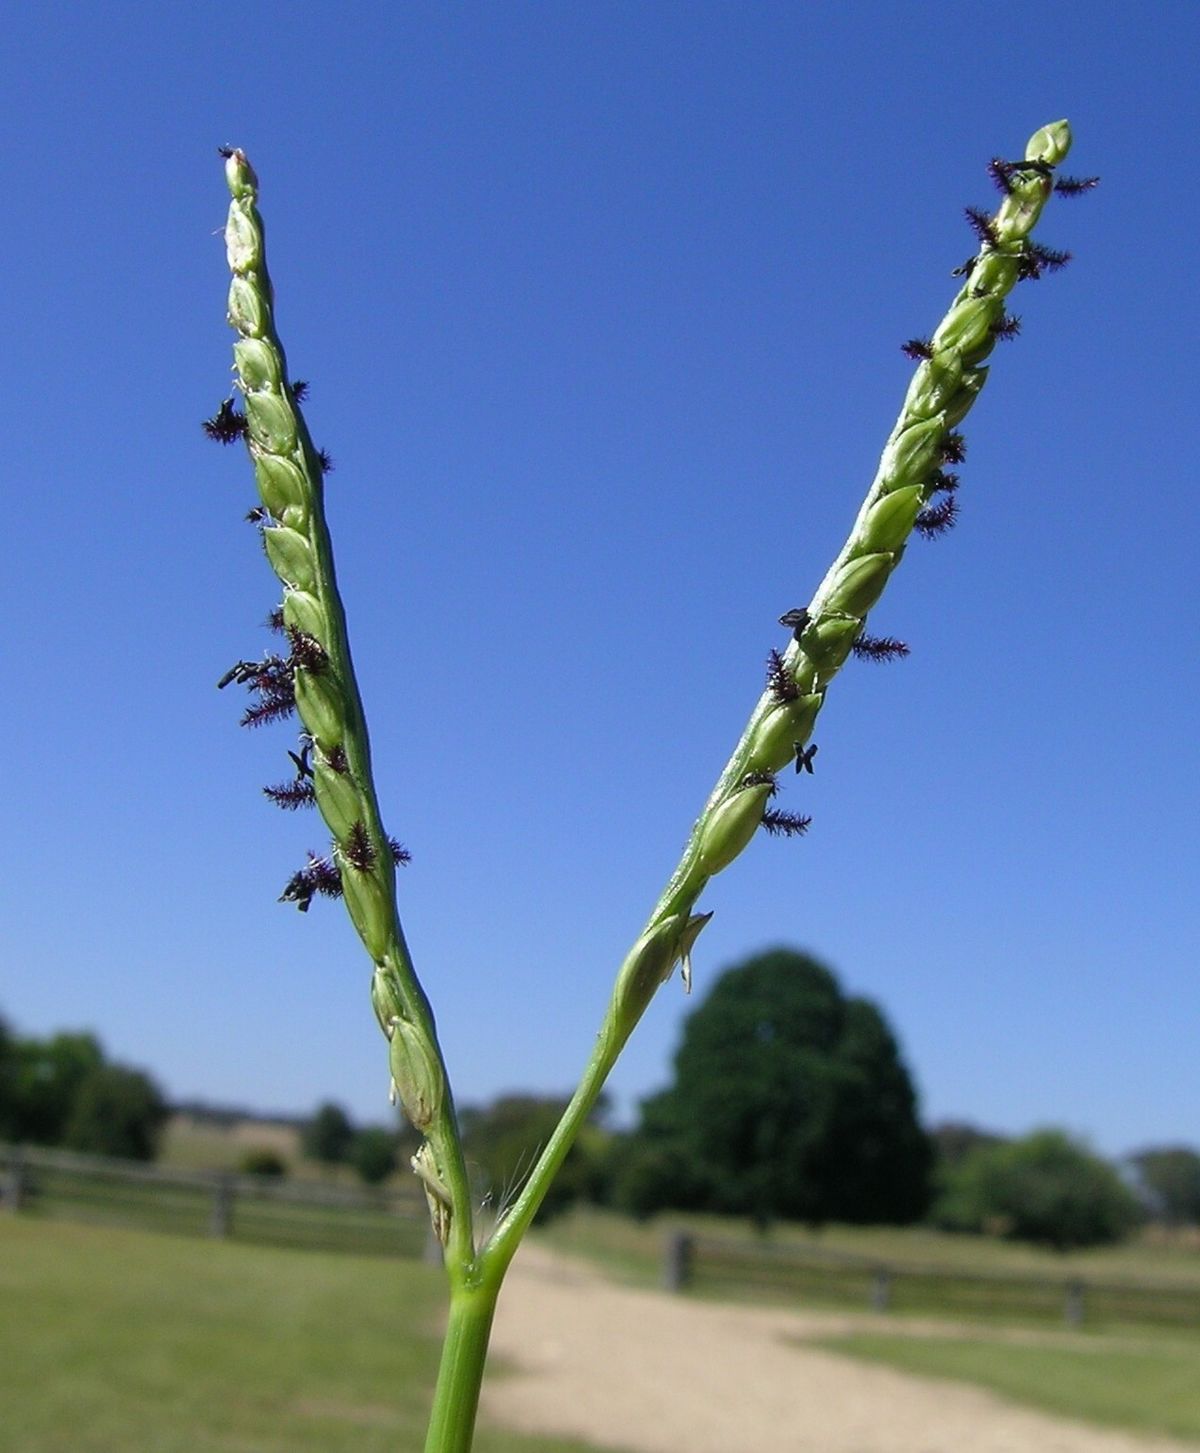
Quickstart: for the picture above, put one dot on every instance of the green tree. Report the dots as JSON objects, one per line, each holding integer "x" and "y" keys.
{"x": 789, "y": 1100}
{"x": 8, "y": 1083}
{"x": 328, "y": 1135}
{"x": 45, "y": 1078}
{"x": 374, "y": 1153}
{"x": 117, "y": 1111}
{"x": 1046, "y": 1188}
{"x": 1170, "y": 1179}
{"x": 954, "y": 1140}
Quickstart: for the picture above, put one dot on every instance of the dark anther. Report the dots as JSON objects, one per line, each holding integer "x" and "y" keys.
{"x": 1002, "y": 172}
{"x": 319, "y": 875}
{"x": 936, "y": 519}
{"x": 942, "y": 481}
{"x": 291, "y": 795}
{"x": 225, "y": 151}
{"x": 255, "y": 515}
{"x": 804, "y": 759}
{"x": 760, "y": 779}
{"x": 780, "y": 681}
{"x": 299, "y": 389}
{"x": 242, "y": 672}
{"x": 1007, "y": 168}
{"x": 953, "y": 448}
{"x": 796, "y": 620}
{"x": 301, "y": 760}
{"x": 400, "y": 854}
{"x": 271, "y": 680}
{"x": 966, "y": 269}
{"x": 917, "y": 348}
{"x": 981, "y": 225}
{"x": 1075, "y": 186}
{"x": 785, "y": 824}
{"x": 358, "y": 849}
{"x": 226, "y": 425}
{"x": 307, "y": 651}
{"x": 325, "y": 460}
{"x": 1036, "y": 259}
{"x": 1006, "y": 326}
{"x": 879, "y": 648}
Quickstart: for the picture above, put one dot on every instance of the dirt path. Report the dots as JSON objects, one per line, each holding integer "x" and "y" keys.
{"x": 649, "y": 1373}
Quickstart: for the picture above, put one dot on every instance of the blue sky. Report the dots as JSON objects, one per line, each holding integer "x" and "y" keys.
{"x": 602, "y": 305}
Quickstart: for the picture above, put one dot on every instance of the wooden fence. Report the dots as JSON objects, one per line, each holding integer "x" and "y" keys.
{"x": 817, "y": 1277}
{"x": 53, "y": 1183}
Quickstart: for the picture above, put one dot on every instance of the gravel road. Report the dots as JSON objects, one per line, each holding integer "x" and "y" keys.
{"x": 644, "y": 1372}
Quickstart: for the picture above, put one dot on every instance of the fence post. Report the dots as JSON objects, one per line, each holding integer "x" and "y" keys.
{"x": 16, "y": 1183}
{"x": 881, "y": 1289}
{"x": 677, "y": 1265}
{"x": 1075, "y": 1304}
{"x": 221, "y": 1222}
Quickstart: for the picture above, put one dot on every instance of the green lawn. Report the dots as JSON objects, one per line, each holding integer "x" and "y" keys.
{"x": 636, "y": 1248}
{"x": 113, "y": 1341}
{"x": 1152, "y": 1388}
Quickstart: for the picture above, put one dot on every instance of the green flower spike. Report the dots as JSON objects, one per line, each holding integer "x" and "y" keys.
{"x": 289, "y": 472}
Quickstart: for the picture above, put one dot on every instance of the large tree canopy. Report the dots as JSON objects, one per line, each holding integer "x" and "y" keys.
{"x": 789, "y": 1100}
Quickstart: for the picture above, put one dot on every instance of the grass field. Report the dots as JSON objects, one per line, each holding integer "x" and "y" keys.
{"x": 635, "y": 1249}
{"x": 113, "y": 1341}
{"x": 1150, "y": 1387}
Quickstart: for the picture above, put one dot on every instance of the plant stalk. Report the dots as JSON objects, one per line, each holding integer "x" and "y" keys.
{"x": 460, "y": 1376}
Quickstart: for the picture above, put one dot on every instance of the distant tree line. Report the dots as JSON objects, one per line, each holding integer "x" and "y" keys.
{"x": 331, "y": 1138}
{"x": 790, "y": 1101}
{"x": 64, "y": 1091}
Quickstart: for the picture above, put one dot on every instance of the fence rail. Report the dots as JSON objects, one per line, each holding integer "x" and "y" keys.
{"x": 821, "y": 1277}
{"x": 53, "y": 1183}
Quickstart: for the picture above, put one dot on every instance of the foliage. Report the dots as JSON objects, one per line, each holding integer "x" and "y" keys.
{"x": 261, "y": 1160}
{"x": 8, "y": 1083}
{"x": 1170, "y": 1180}
{"x": 45, "y": 1077}
{"x": 63, "y": 1091}
{"x": 374, "y": 1153}
{"x": 953, "y": 1141}
{"x": 790, "y": 1100}
{"x": 327, "y": 1137}
{"x": 1045, "y": 1188}
{"x": 118, "y": 1112}
{"x": 503, "y": 1139}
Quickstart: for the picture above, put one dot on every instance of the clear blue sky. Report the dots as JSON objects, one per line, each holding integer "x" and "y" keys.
{"x": 602, "y": 305}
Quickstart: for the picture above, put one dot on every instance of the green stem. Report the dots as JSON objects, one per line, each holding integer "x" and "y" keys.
{"x": 460, "y": 1376}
